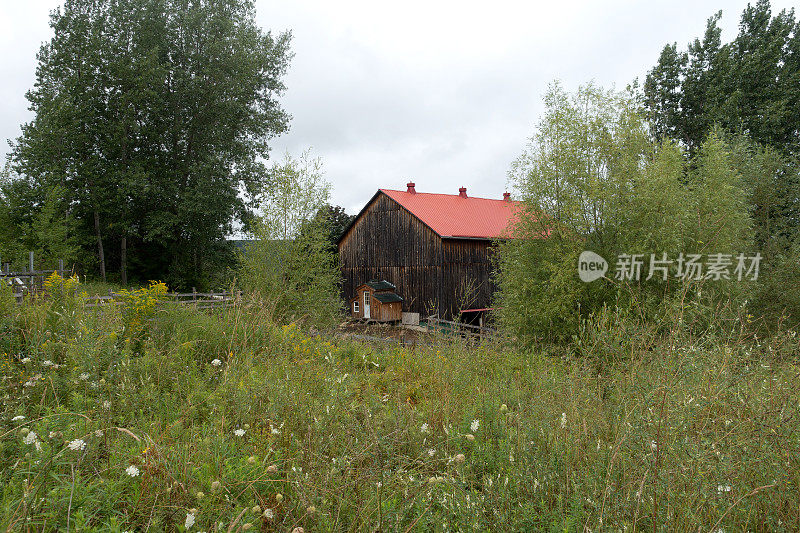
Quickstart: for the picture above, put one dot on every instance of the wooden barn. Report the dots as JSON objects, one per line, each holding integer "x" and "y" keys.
{"x": 377, "y": 301}
{"x": 435, "y": 248}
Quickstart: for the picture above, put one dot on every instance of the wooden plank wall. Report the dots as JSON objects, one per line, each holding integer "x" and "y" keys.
{"x": 387, "y": 242}
{"x": 466, "y": 272}
{"x": 432, "y": 275}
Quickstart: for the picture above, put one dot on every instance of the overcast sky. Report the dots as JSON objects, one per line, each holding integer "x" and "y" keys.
{"x": 442, "y": 93}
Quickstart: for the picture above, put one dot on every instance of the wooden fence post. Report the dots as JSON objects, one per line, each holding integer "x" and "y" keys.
{"x": 30, "y": 261}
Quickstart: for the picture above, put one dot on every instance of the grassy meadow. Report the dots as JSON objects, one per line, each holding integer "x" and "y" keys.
{"x": 151, "y": 416}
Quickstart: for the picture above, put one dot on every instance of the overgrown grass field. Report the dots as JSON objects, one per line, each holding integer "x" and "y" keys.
{"x": 151, "y": 416}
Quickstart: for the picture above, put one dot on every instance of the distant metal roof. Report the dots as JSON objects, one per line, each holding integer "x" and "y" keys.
{"x": 387, "y": 297}
{"x": 456, "y": 216}
{"x": 382, "y": 285}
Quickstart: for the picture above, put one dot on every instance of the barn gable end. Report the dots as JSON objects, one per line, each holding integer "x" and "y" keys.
{"x": 387, "y": 242}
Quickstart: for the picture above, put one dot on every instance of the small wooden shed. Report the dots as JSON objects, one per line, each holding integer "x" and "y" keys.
{"x": 377, "y": 301}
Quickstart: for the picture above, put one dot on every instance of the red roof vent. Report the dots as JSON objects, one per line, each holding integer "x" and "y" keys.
{"x": 462, "y": 192}
{"x": 410, "y": 186}
{"x": 507, "y": 196}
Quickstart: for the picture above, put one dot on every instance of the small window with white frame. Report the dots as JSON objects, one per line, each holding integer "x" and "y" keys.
{"x": 355, "y": 306}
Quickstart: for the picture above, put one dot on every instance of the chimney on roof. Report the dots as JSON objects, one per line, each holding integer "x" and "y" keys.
{"x": 507, "y": 196}
{"x": 462, "y": 192}
{"x": 410, "y": 186}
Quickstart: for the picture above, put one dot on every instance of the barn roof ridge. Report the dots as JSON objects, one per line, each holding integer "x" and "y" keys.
{"x": 465, "y": 217}
{"x": 450, "y": 195}
{"x": 455, "y": 216}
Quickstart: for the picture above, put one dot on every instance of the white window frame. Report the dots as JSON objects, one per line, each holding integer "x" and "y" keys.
{"x": 355, "y": 306}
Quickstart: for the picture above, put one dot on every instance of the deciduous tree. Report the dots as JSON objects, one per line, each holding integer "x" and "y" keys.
{"x": 154, "y": 117}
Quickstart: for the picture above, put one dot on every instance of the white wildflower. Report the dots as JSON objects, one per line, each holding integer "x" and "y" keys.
{"x": 18, "y": 418}
{"x": 85, "y": 376}
{"x": 431, "y": 452}
{"x": 275, "y": 431}
{"x": 30, "y": 438}
{"x": 239, "y": 432}
{"x": 48, "y": 362}
{"x": 98, "y": 433}
{"x": 423, "y": 428}
{"x": 189, "y": 520}
{"x": 475, "y": 425}
{"x": 132, "y": 471}
{"x": 77, "y": 445}
{"x": 723, "y": 488}
{"x": 563, "y": 420}
{"x": 269, "y": 514}
{"x": 653, "y": 445}
{"x": 25, "y": 360}
{"x": 216, "y": 362}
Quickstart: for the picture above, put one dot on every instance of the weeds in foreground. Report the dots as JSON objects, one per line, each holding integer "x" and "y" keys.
{"x": 224, "y": 421}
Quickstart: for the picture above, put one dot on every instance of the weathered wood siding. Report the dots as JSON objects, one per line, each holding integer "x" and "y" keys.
{"x": 389, "y": 312}
{"x": 431, "y": 274}
{"x": 466, "y": 273}
{"x": 387, "y": 242}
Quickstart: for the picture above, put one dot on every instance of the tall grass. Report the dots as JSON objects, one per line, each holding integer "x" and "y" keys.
{"x": 239, "y": 423}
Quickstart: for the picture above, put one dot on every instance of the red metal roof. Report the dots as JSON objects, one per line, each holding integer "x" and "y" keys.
{"x": 452, "y": 215}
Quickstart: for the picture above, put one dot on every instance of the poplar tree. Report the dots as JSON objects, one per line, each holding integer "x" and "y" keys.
{"x": 154, "y": 117}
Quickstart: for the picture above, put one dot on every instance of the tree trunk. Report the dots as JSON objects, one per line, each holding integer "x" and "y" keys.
{"x": 124, "y": 260}
{"x": 100, "y": 253}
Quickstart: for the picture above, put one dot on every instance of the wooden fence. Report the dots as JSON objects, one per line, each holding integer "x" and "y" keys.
{"x": 28, "y": 280}
{"x": 437, "y": 325}
{"x": 199, "y": 300}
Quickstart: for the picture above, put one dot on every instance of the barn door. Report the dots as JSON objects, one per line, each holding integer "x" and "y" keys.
{"x": 366, "y": 304}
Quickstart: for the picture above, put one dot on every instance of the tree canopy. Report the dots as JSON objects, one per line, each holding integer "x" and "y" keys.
{"x": 592, "y": 178}
{"x": 152, "y": 121}
{"x": 750, "y": 85}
